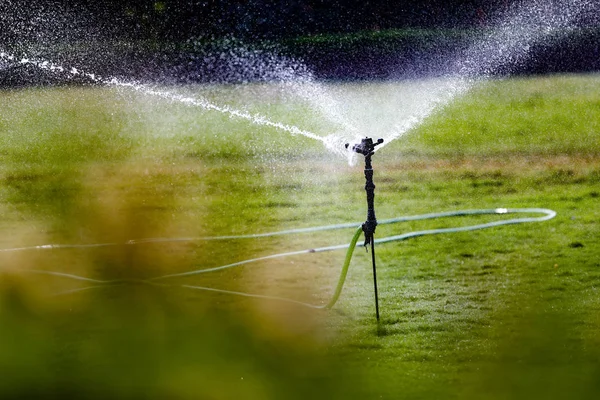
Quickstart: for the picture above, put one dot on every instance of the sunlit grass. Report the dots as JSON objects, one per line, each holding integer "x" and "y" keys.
{"x": 461, "y": 314}
{"x": 546, "y": 115}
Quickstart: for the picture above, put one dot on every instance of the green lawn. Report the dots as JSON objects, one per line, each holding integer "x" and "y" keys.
{"x": 505, "y": 313}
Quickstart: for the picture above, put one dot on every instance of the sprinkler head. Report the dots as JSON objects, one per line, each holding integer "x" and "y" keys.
{"x": 366, "y": 147}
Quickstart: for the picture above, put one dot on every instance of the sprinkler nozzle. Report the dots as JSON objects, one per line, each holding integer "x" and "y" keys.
{"x": 366, "y": 147}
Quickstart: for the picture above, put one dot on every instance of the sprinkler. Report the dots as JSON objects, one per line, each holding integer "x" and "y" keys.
{"x": 366, "y": 147}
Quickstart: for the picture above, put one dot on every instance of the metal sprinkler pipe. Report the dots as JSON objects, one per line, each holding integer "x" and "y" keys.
{"x": 367, "y": 148}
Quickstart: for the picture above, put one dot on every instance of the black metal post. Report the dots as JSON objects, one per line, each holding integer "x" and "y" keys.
{"x": 375, "y": 278}
{"x": 371, "y": 222}
{"x": 367, "y": 148}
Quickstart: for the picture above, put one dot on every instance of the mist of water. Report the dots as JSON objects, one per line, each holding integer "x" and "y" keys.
{"x": 355, "y": 111}
{"x": 499, "y": 50}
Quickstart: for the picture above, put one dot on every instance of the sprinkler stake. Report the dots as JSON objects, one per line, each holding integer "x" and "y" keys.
{"x": 367, "y": 148}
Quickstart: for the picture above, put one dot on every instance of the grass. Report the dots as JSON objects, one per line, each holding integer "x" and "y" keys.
{"x": 510, "y": 312}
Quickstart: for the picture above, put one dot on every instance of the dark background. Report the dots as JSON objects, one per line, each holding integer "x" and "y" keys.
{"x": 181, "y": 19}
{"x": 183, "y": 41}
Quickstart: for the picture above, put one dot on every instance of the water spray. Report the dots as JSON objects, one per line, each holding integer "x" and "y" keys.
{"x": 506, "y": 46}
{"x": 367, "y": 148}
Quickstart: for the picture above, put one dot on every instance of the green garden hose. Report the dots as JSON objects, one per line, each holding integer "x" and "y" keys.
{"x": 548, "y": 214}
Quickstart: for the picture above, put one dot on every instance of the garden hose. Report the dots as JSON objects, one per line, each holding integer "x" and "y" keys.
{"x": 157, "y": 281}
{"x": 548, "y": 214}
